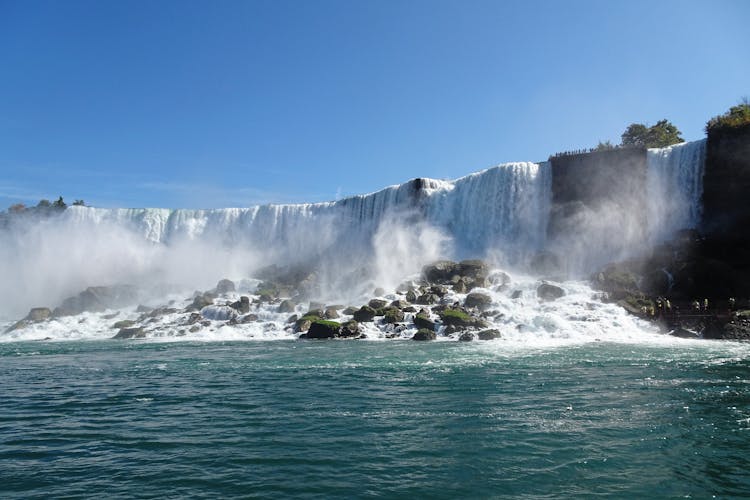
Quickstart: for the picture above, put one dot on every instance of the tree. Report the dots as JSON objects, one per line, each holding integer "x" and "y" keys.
{"x": 79, "y": 203}
{"x": 60, "y": 204}
{"x": 17, "y": 208}
{"x": 661, "y": 135}
{"x": 736, "y": 117}
{"x": 44, "y": 204}
{"x": 604, "y": 146}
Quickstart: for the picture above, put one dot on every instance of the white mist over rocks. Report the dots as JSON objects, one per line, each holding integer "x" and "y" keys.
{"x": 376, "y": 240}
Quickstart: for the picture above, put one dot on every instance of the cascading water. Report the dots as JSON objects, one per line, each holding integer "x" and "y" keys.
{"x": 675, "y": 187}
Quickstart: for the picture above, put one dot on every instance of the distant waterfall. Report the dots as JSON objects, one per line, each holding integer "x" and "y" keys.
{"x": 675, "y": 187}
{"x": 504, "y": 208}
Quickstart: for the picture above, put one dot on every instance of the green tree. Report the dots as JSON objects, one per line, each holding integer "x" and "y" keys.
{"x": 604, "y": 146}
{"x": 736, "y": 117}
{"x": 44, "y": 204}
{"x": 79, "y": 203}
{"x": 60, "y": 204}
{"x": 661, "y": 135}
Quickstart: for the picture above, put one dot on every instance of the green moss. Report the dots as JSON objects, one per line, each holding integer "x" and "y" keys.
{"x": 737, "y": 116}
{"x": 455, "y": 314}
{"x": 329, "y": 324}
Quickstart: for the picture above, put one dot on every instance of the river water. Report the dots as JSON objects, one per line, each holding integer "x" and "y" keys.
{"x": 344, "y": 419}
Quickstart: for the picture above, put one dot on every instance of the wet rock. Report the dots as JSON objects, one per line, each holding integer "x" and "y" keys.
{"x": 475, "y": 269}
{"x": 225, "y": 286}
{"x": 459, "y": 318}
{"x": 466, "y": 337}
{"x": 249, "y": 318}
{"x": 143, "y": 309}
{"x": 489, "y": 334}
{"x": 315, "y": 306}
{"x": 516, "y": 294}
{"x": 218, "y": 313}
{"x": 411, "y": 296}
{"x": 400, "y": 304}
{"x": 201, "y": 301}
{"x": 97, "y": 299}
{"x": 427, "y": 299}
{"x": 242, "y": 306}
{"x": 423, "y": 320}
{"x": 125, "y": 323}
{"x": 424, "y": 334}
{"x": 293, "y": 318}
{"x": 194, "y": 328}
{"x": 38, "y": 314}
{"x": 409, "y": 309}
{"x": 378, "y": 292}
{"x": 302, "y": 325}
{"x": 350, "y": 329}
{"x": 478, "y": 300}
{"x": 438, "y": 290}
{"x": 319, "y": 312}
{"x": 364, "y": 314}
{"x": 440, "y": 271}
{"x": 393, "y": 315}
{"x": 548, "y": 292}
{"x": 330, "y": 313}
{"x": 194, "y": 318}
{"x": 377, "y": 303}
{"x": 498, "y": 279}
{"x": 130, "y": 333}
{"x": 324, "y": 330}
{"x": 460, "y": 286}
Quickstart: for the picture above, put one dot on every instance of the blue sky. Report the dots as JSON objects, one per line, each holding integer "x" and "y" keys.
{"x": 210, "y": 104}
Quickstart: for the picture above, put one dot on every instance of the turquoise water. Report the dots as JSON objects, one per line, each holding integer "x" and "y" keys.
{"x": 366, "y": 419}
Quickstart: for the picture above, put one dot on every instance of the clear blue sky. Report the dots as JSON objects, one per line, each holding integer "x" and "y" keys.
{"x": 233, "y": 103}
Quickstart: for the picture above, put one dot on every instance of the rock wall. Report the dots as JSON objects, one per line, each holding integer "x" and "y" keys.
{"x": 599, "y": 209}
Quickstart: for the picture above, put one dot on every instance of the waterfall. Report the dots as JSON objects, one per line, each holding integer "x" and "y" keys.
{"x": 675, "y": 187}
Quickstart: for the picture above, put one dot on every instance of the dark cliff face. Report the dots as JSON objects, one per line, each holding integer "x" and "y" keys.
{"x": 726, "y": 184}
{"x": 598, "y": 200}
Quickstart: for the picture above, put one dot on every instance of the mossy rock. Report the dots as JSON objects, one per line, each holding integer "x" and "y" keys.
{"x": 459, "y": 318}
{"x": 364, "y": 314}
{"x": 424, "y": 334}
{"x": 489, "y": 334}
{"x": 324, "y": 330}
{"x": 130, "y": 333}
{"x": 393, "y": 315}
{"x": 423, "y": 321}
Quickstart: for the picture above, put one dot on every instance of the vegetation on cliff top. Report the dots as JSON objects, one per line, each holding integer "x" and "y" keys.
{"x": 737, "y": 116}
{"x": 661, "y": 135}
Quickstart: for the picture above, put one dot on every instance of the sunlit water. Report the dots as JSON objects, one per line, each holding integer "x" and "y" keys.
{"x": 359, "y": 419}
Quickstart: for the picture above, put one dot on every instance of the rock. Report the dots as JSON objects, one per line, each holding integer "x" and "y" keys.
{"x": 125, "y": 323}
{"x": 475, "y": 269}
{"x": 315, "y": 306}
{"x": 242, "y": 306}
{"x": 393, "y": 315}
{"x": 459, "y": 318}
{"x": 427, "y": 299}
{"x": 38, "y": 314}
{"x": 194, "y": 328}
{"x": 411, "y": 296}
{"x": 319, "y": 312}
{"x": 218, "y": 313}
{"x": 225, "y": 286}
{"x": 547, "y": 291}
{"x": 516, "y": 294}
{"x": 143, "y": 309}
{"x": 330, "y": 313}
{"x": 302, "y": 325}
{"x": 424, "y": 334}
{"x": 466, "y": 337}
{"x": 249, "y": 318}
{"x": 489, "y": 334}
{"x": 409, "y": 309}
{"x": 350, "y": 329}
{"x": 97, "y": 299}
{"x": 377, "y": 303}
{"x": 201, "y": 301}
{"x": 460, "y": 286}
{"x": 379, "y": 292}
{"x": 440, "y": 271}
{"x": 479, "y": 300}
{"x": 130, "y": 333}
{"x": 293, "y": 318}
{"x": 286, "y": 306}
{"x": 324, "y": 330}
{"x": 364, "y": 314}
{"x": 400, "y": 304}
{"x": 737, "y": 329}
{"x": 424, "y": 321}
{"x": 498, "y": 279}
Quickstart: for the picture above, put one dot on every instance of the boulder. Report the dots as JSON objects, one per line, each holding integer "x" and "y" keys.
{"x": 499, "y": 279}
{"x": 130, "y": 333}
{"x": 350, "y": 329}
{"x": 400, "y": 304}
{"x": 225, "y": 286}
{"x": 218, "y": 313}
{"x": 378, "y": 292}
{"x": 97, "y": 299}
{"x": 200, "y": 301}
{"x": 427, "y": 299}
{"x": 349, "y": 311}
{"x": 393, "y": 315}
{"x": 478, "y": 300}
{"x": 411, "y": 296}
{"x": 547, "y": 291}
{"x": 331, "y": 313}
{"x": 489, "y": 334}
{"x": 475, "y": 269}
{"x": 242, "y": 306}
{"x": 440, "y": 271}
{"x": 125, "y": 323}
{"x": 324, "y": 330}
{"x": 424, "y": 334}
{"x": 459, "y": 318}
{"x": 460, "y": 286}
{"x": 423, "y": 321}
{"x": 377, "y": 303}
{"x": 38, "y": 314}
{"x": 466, "y": 337}
{"x": 364, "y": 314}
{"x": 516, "y": 294}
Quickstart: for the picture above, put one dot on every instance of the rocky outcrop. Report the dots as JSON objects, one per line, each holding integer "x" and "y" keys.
{"x": 479, "y": 300}
{"x": 547, "y": 291}
{"x": 130, "y": 333}
{"x": 424, "y": 334}
{"x": 364, "y": 314}
{"x": 225, "y": 286}
{"x": 97, "y": 299}
{"x": 324, "y": 330}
